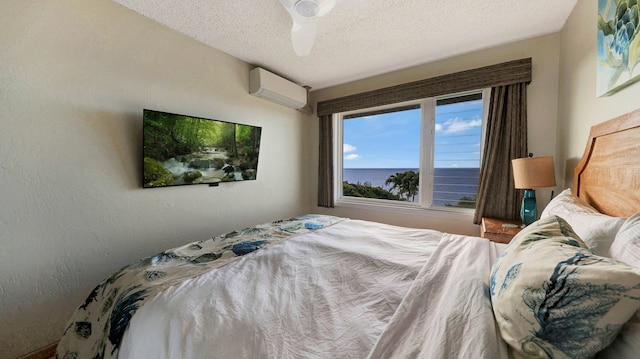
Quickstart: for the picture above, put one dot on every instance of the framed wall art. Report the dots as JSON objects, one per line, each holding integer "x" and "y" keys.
{"x": 618, "y": 46}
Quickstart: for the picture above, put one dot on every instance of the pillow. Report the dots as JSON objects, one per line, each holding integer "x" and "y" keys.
{"x": 626, "y": 245}
{"x": 627, "y": 344}
{"x": 554, "y": 298}
{"x": 597, "y": 230}
{"x": 626, "y": 248}
{"x": 566, "y": 202}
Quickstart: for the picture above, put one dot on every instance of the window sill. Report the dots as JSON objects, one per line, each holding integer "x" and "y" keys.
{"x": 399, "y": 207}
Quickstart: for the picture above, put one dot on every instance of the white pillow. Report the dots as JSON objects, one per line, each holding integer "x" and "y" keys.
{"x": 627, "y": 344}
{"x": 566, "y": 202}
{"x": 626, "y": 245}
{"x": 597, "y": 230}
{"x": 626, "y": 248}
{"x": 553, "y": 298}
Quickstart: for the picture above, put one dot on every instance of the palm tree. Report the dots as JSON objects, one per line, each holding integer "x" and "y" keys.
{"x": 406, "y": 183}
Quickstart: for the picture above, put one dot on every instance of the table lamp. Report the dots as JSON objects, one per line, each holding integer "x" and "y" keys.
{"x": 530, "y": 173}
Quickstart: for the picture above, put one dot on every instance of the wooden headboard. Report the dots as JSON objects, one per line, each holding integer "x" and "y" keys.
{"x": 608, "y": 174}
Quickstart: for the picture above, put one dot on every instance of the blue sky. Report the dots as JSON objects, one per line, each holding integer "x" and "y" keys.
{"x": 393, "y": 140}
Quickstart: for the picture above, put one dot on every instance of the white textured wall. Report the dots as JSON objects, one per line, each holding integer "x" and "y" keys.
{"x": 74, "y": 79}
{"x": 542, "y": 118}
{"x": 579, "y": 108}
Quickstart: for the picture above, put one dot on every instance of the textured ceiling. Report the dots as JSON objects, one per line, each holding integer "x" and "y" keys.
{"x": 362, "y": 39}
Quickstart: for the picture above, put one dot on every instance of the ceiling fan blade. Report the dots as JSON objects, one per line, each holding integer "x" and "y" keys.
{"x": 305, "y": 15}
{"x": 302, "y": 37}
{"x": 347, "y": 2}
{"x": 325, "y": 6}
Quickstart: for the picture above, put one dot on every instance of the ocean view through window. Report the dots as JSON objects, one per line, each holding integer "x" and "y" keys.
{"x": 424, "y": 153}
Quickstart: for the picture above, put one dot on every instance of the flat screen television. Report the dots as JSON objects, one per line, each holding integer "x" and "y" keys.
{"x": 186, "y": 150}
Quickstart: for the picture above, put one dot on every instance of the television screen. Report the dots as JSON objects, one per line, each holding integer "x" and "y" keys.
{"x": 185, "y": 150}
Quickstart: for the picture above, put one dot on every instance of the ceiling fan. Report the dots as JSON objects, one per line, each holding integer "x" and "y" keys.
{"x": 305, "y": 15}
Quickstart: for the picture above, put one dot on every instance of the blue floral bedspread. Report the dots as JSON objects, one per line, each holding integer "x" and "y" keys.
{"x": 98, "y": 325}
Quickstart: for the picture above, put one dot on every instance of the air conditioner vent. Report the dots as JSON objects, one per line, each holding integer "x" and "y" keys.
{"x": 274, "y": 88}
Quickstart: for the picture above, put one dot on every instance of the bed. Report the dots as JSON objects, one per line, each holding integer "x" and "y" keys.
{"x": 318, "y": 286}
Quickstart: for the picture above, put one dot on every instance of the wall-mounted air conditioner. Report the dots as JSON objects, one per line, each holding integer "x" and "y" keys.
{"x": 272, "y": 87}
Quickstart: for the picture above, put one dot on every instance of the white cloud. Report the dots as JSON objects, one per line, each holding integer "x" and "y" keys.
{"x": 438, "y": 127}
{"x": 353, "y": 156}
{"x": 348, "y": 148}
{"x": 458, "y": 125}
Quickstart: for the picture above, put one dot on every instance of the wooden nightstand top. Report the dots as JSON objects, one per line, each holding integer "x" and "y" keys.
{"x": 499, "y": 230}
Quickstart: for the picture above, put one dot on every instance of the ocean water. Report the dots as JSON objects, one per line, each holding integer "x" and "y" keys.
{"x": 450, "y": 184}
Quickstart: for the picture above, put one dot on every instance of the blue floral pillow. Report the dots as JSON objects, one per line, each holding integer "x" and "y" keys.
{"x": 553, "y": 298}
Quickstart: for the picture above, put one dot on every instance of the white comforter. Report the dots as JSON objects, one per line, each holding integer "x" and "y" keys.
{"x": 355, "y": 289}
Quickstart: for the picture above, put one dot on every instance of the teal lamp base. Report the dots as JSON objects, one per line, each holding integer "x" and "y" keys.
{"x": 529, "y": 210}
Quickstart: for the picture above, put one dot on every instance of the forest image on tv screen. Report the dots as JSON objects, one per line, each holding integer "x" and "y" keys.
{"x": 184, "y": 150}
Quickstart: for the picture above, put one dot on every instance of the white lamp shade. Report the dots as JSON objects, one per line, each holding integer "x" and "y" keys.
{"x": 533, "y": 172}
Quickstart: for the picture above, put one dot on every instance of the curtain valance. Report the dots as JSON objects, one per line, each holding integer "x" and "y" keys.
{"x": 507, "y": 73}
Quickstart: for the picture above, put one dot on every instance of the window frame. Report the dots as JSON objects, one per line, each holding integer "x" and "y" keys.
{"x": 427, "y": 151}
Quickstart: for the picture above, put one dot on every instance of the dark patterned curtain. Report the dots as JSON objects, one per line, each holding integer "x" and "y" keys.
{"x": 325, "y": 163}
{"x": 505, "y": 139}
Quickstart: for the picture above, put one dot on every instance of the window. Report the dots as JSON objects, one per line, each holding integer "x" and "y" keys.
{"x": 423, "y": 153}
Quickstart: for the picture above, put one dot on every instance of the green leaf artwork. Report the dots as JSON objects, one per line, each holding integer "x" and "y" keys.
{"x": 618, "y": 45}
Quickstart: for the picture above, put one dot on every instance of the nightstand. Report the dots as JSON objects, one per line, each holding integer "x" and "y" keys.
{"x": 499, "y": 230}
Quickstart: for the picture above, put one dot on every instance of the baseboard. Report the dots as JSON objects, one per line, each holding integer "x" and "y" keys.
{"x": 46, "y": 352}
